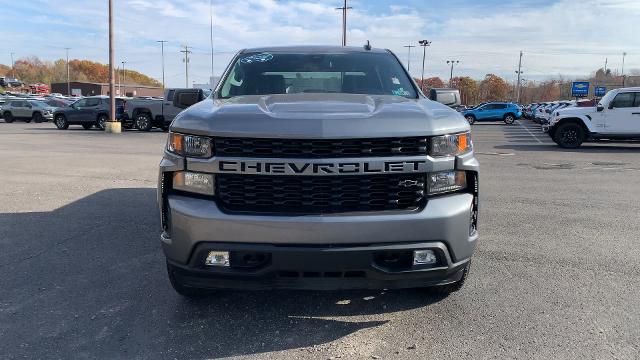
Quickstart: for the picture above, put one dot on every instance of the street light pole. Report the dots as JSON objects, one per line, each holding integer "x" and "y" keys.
{"x": 424, "y": 44}
{"x": 68, "y": 81}
{"x": 112, "y": 126}
{"x": 162, "y": 47}
{"x": 409, "y": 56}
{"x": 451, "y": 74}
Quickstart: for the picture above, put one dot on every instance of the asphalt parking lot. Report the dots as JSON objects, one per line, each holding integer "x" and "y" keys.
{"x": 83, "y": 276}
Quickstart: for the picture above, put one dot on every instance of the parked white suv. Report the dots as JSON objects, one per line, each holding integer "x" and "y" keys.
{"x": 617, "y": 117}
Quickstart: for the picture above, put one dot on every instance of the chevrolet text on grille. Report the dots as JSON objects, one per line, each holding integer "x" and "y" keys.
{"x": 320, "y": 168}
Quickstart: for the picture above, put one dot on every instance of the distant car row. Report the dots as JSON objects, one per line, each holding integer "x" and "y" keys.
{"x": 571, "y": 123}
{"x": 93, "y": 111}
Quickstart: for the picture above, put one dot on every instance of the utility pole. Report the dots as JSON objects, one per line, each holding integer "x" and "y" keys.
{"x": 424, "y": 44}
{"x": 68, "y": 77}
{"x": 409, "y": 56}
{"x": 186, "y": 52}
{"x": 606, "y": 61}
{"x": 624, "y": 54}
{"x": 13, "y": 66}
{"x": 452, "y": 63}
{"x": 119, "y": 75}
{"x": 519, "y": 72}
{"x": 112, "y": 126}
{"x": 344, "y": 9}
{"x": 162, "y": 51}
{"x": 124, "y": 79}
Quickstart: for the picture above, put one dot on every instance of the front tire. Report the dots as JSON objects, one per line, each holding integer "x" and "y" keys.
{"x": 37, "y": 117}
{"x": 509, "y": 119}
{"x": 61, "y": 122}
{"x": 569, "y": 136}
{"x": 101, "y": 122}
{"x": 470, "y": 119}
{"x": 143, "y": 122}
{"x": 8, "y": 117}
{"x": 180, "y": 288}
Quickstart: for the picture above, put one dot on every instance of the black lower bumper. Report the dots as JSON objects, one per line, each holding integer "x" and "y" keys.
{"x": 260, "y": 266}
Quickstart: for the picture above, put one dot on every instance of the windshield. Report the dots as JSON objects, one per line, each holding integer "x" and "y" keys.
{"x": 607, "y": 98}
{"x": 293, "y": 73}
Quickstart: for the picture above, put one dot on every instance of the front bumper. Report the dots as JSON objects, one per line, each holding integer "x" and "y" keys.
{"x": 319, "y": 268}
{"x": 329, "y": 247}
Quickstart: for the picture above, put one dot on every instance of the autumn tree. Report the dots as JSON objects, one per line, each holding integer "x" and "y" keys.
{"x": 494, "y": 88}
{"x": 469, "y": 90}
{"x": 32, "y": 70}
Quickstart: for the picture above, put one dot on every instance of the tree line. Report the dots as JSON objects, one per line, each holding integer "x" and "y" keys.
{"x": 32, "y": 70}
{"x": 495, "y": 88}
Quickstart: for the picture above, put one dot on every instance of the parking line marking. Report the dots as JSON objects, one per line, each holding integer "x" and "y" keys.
{"x": 530, "y": 133}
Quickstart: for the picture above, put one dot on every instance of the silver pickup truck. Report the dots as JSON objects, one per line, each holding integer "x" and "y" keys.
{"x": 317, "y": 168}
{"x": 145, "y": 114}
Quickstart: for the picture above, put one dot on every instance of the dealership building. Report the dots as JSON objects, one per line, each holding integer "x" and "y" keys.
{"x": 79, "y": 88}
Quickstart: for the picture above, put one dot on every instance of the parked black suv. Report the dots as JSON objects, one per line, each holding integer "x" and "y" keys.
{"x": 88, "y": 112}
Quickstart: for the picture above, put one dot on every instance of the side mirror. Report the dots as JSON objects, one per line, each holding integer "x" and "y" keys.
{"x": 600, "y": 107}
{"x": 183, "y": 98}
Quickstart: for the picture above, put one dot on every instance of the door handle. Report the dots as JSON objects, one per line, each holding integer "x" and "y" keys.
{"x": 638, "y": 113}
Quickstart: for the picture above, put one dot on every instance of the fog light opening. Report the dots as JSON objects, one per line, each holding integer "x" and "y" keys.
{"x": 424, "y": 257}
{"x": 217, "y": 258}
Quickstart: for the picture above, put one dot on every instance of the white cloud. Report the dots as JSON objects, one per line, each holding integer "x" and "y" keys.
{"x": 567, "y": 37}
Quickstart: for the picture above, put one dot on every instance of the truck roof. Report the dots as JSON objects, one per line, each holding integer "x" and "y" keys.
{"x": 319, "y": 49}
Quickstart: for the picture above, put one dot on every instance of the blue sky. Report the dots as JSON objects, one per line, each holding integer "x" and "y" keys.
{"x": 559, "y": 37}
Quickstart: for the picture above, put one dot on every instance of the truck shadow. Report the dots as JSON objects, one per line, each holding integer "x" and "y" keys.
{"x": 88, "y": 280}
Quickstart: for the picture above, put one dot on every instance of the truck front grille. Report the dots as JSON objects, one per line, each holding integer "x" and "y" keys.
{"x": 319, "y": 194}
{"x": 311, "y": 149}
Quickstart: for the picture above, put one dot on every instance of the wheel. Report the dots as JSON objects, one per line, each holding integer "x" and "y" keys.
{"x": 87, "y": 126}
{"x": 37, "y": 117}
{"x": 143, "y": 122}
{"x": 61, "y": 122}
{"x": 101, "y": 122}
{"x": 180, "y": 288}
{"x": 569, "y": 136}
{"x": 8, "y": 117}
{"x": 444, "y": 290}
{"x": 509, "y": 119}
{"x": 470, "y": 119}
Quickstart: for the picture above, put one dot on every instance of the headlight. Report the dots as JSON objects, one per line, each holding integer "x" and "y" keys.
{"x": 190, "y": 145}
{"x": 450, "y": 145}
{"x": 193, "y": 182}
{"x": 446, "y": 181}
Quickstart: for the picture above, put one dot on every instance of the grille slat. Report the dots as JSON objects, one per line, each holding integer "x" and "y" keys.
{"x": 319, "y": 195}
{"x": 310, "y": 149}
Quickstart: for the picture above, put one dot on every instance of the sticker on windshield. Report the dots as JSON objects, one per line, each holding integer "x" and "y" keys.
{"x": 395, "y": 80}
{"x": 400, "y": 92}
{"x": 256, "y": 58}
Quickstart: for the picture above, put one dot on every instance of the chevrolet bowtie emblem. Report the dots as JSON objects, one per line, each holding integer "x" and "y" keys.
{"x": 408, "y": 183}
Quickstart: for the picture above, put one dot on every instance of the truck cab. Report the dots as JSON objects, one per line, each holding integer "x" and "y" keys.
{"x": 616, "y": 117}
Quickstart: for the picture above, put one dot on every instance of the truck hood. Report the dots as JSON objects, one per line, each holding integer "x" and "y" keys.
{"x": 574, "y": 111}
{"x": 319, "y": 116}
